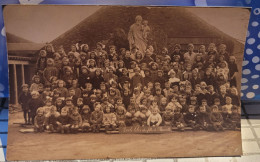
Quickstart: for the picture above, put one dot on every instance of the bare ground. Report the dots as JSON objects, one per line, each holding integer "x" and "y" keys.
{"x": 46, "y": 146}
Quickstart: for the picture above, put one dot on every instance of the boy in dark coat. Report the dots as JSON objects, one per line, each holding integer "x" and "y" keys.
{"x": 33, "y": 104}
{"x": 191, "y": 118}
{"x": 51, "y": 120}
{"x": 203, "y": 118}
{"x": 178, "y": 120}
{"x": 24, "y": 97}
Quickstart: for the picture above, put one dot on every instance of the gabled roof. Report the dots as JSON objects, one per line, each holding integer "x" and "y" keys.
{"x": 170, "y": 21}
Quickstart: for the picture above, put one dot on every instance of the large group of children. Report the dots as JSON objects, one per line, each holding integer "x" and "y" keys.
{"x": 87, "y": 89}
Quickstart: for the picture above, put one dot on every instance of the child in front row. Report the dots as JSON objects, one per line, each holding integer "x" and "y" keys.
{"x": 155, "y": 118}
{"x": 63, "y": 122}
{"x": 216, "y": 118}
{"x": 39, "y": 121}
{"x": 109, "y": 119}
{"x": 96, "y": 118}
{"x": 76, "y": 120}
{"x": 85, "y": 114}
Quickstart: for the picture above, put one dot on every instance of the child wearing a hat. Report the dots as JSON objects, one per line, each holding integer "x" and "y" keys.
{"x": 24, "y": 97}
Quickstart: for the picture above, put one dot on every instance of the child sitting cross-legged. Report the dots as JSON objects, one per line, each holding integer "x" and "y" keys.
{"x": 76, "y": 120}
{"x": 85, "y": 114}
{"x": 155, "y": 118}
{"x": 96, "y": 118}
{"x": 63, "y": 122}
{"x": 109, "y": 119}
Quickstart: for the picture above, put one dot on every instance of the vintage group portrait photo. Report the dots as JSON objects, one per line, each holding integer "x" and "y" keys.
{"x": 113, "y": 82}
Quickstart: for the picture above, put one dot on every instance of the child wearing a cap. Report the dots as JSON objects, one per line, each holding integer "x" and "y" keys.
{"x": 23, "y": 99}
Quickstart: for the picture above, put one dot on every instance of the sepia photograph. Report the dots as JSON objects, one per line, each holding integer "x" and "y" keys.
{"x": 113, "y": 82}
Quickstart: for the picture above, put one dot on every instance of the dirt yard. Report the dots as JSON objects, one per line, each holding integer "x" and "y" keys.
{"x": 46, "y": 146}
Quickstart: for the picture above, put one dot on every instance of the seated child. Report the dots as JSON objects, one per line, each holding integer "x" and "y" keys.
{"x": 51, "y": 120}
{"x": 155, "y": 118}
{"x": 216, "y": 118}
{"x": 96, "y": 118}
{"x": 109, "y": 119}
{"x": 120, "y": 116}
{"x": 131, "y": 117}
{"x": 39, "y": 121}
{"x": 191, "y": 118}
{"x": 167, "y": 116}
{"x": 143, "y": 115}
{"x": 85, "y": 114}
{"x": 235, "y": 118}
{"x": 203, "y": 118}
{"x": 228, "y": 105}
{"x": 76, "y": 120}
{"x": 63, "y": 122}
{"x": 178, "y": 119}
